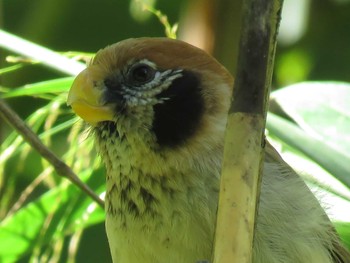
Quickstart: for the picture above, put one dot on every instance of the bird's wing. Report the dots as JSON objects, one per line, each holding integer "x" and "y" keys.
{"x": 339, "y": 253}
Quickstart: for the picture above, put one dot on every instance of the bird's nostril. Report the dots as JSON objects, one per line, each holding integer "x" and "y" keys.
{"x": 113, "y": 91}
{"x": 111, "y": 85}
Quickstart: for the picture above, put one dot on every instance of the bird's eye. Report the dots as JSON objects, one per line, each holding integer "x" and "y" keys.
{"x": 141, "y": 74}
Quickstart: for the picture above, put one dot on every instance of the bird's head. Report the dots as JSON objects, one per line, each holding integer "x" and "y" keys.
{"x": 165, "y": 88}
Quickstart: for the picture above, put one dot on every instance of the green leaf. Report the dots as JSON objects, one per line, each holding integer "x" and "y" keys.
{"x": 333, "y": 195}
{"x": 50, "y": 86}
{"x": 322, "y": 110}
{"x": 331, "y": 160}
{"x": 319, "y": 137}
{"x": 10, "y": 68}
{"x": 14, "y": 144}
{"x": 343, "y": 228}
{"x": 59, "y": 212}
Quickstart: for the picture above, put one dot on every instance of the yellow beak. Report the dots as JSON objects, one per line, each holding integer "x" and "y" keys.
{"x": 86, "y": 94}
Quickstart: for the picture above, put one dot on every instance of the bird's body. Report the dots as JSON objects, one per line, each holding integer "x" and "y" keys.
{"x": 157, "y": 208}
{"x": 158, "y": 110}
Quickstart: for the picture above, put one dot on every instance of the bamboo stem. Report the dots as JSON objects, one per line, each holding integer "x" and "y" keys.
{"x": 244, "y": 139}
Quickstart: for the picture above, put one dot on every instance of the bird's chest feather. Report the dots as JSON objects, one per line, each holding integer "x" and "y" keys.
{"x": 161, "y": 211}
{"x": 156, "y": 212}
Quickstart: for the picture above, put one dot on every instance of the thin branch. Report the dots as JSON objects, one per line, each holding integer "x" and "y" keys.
{"x": 60, "y": 167}
{"x": 244, "y": 140}
{"x": 170, "y": 31}
{"x": 26, "y": 192}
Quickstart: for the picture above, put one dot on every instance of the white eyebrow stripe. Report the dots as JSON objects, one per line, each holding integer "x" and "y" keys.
{"x": 147, "y": 93}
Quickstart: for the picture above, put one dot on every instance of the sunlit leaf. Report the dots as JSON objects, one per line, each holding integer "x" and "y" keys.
{"x": 319, "y": 137}
{"x": 334, "y": 162}
{"x": 10, "y": 68}
{"x": 344, "y": 229}
{"x": 59, "y": 212}
{"x": 49, "y": 86}
{"x": 292, "y": 142}
{"x": 322, "y": 109}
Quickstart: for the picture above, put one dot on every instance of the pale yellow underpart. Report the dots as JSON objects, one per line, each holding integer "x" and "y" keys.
{"x": 291, "y": 226}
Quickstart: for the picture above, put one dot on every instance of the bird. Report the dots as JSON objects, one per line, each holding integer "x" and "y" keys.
{"x": 157, "y": 109}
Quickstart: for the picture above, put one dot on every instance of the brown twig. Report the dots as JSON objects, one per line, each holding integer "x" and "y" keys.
{"x": 28, "y": 135}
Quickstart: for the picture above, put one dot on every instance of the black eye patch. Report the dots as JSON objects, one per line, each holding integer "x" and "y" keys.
{"x": 178, "y": 118}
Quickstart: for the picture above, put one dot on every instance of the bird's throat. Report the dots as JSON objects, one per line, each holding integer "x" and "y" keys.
{"x": 139, "y": 182}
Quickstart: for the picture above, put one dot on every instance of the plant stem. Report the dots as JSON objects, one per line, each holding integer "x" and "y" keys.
{"x": 28, "y": 135}
{"x": 39, "y": 53}
{"x": 244, "y": 139}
